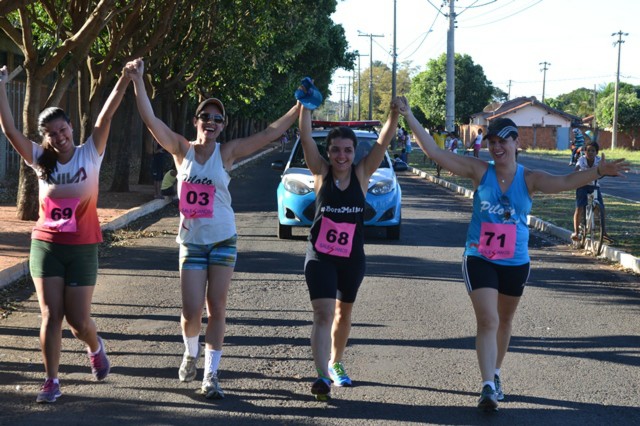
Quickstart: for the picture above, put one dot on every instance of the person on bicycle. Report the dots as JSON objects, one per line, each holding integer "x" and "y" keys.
{"x": 590, "y": 160}
{"x": 576, "y": 146}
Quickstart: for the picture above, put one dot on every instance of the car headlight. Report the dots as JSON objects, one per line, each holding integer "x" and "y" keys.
{"x": 295, "y": 186}
{"x": 382, "y": 187}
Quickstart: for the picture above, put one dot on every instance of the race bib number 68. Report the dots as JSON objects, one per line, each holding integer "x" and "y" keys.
{"x": 335, "y": 238}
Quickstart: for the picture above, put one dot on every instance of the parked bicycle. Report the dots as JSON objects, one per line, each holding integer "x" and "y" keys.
{"x": 592, "y": 224}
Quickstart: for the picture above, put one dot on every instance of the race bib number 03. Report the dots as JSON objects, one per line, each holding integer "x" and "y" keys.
{"x": 196, "y": 200}
{"x": 60, "y": 214}
{"x": 334, "y": 238}
{"x": 497, "y": 240}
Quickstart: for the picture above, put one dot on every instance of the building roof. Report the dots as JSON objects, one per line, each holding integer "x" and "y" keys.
{"x": 498, "y": 109}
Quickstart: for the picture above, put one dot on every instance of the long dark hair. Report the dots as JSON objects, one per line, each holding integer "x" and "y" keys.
{"x": 48, "y": 160}
{"x": 341, "y": 132}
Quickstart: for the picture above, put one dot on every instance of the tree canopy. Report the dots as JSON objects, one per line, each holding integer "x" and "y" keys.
{"x": 472, "y": 90}
{"x": 250, "y": 53}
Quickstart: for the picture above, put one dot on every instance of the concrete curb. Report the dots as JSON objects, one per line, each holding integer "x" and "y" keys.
{"x": 16, "y": 272}
{"x": 624, "y": 259}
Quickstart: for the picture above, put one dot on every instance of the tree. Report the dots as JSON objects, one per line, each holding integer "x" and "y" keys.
{"x": 628, "y": 111}
{"x": 579, "y": 102}
{"x": 382, "y": 76}
{"x": 472, "y": 89}
{"x": 251, "y": 53}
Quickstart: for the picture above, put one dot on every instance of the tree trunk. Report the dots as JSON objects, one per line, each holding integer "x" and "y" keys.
{"x": 27, "y": 202}
{"x": 120, "y": 181}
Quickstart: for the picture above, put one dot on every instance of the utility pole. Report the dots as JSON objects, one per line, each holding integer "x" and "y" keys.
{"x": 394, "y": 68}
{"x": 450, "y": 99}
{"x": 544, "y": 76}
{"x": 614, "y": 135}
{"x": 371, "y": 36}
{"x": 359, "y": 87}
{"x": 509, "y": 92}
{"x": 346, "y": 115}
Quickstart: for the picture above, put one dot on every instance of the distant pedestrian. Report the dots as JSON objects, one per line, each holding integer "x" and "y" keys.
{"x": 496, "y": 262}
{"x": 63, "y": 260}
{"x": 207, "y": 241}
{"x": 157, "y": 168}
{"x": 168, "y": 186}
{"x": 477, "y": 144}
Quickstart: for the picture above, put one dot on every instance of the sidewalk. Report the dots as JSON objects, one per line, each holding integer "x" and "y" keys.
{"x": 115, "y": 211}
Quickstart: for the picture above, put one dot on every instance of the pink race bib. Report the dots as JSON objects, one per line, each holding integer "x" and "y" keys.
{"x": 497, "y": 240}
{"x": 196, "y": 200}
{"x": 334, "y": 238}
{"x": 60, "y": 214}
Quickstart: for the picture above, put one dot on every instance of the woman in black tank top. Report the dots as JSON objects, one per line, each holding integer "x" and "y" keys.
{"x": 335, "y": 261}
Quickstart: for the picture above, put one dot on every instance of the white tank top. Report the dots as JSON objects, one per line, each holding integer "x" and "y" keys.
{"x": 212, "y": 173}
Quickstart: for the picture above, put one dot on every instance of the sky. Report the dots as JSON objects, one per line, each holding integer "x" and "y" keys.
{"x": 508, "y": 38}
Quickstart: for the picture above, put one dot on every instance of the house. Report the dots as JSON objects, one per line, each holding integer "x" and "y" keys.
{"x": 539, "y": 125}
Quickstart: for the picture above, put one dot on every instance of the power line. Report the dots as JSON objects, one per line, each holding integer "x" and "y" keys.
{"x": 505, "y": 17}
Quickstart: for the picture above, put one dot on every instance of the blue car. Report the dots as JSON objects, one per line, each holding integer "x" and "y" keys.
{"x": 296, "y": 197}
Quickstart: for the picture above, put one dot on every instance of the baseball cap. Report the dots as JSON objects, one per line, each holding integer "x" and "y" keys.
{"x": 215, "y": 101}
{"x": 503, "y": 128}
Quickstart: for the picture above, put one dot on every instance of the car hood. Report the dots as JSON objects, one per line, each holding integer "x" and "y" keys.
{"x": 304, "y": 175}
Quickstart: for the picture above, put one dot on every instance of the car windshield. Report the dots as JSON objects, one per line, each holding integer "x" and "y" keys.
{"x": 364, "y": 146}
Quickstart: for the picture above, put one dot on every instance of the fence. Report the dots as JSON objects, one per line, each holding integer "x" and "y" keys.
{"x": 9, "y": 157}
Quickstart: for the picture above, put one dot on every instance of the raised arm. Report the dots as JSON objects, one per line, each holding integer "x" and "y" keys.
{"x": 460, "y": 165}
{"x": 371, "y": 162}
{"x": 171, "y": 141}
{"x": 316, "y": 163}
{"x": 242, "y": 147}
{"x": 17, "y": 139}
{"x": 100, "y": 131}
{"x": 540, "y": 181}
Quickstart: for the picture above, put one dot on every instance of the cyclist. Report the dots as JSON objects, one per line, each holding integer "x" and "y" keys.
{"x": 576, "y": 146}
{"x": 590, "y": 160}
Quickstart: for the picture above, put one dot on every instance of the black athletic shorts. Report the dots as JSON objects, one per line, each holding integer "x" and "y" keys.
{"x": 508, "y": 280}
{"x": 339, "y": 279}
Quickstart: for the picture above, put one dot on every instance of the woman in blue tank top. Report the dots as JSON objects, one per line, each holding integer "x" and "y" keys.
{"x": 496, "y": 258}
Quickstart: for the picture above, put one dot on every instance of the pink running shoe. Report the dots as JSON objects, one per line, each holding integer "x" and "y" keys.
{"x": 49, "y": 392}
{"x": 100, "y": 365}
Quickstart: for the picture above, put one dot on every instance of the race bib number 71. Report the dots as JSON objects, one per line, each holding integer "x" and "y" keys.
{"x": 497, "y": 240}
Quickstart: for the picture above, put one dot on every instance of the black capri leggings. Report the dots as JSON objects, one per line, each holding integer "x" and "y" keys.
{"x": 338, "y": 279}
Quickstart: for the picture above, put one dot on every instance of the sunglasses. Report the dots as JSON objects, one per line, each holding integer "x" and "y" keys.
{"x": 216, "y": 118}
{"x": 506, "y": 205}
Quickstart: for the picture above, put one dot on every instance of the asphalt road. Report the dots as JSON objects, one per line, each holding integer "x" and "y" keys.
{"x": 574, "y": 359}
{"x": 626, "y": 187}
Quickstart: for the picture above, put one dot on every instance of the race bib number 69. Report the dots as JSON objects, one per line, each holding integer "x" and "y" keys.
{"x": 60, "y": 214}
